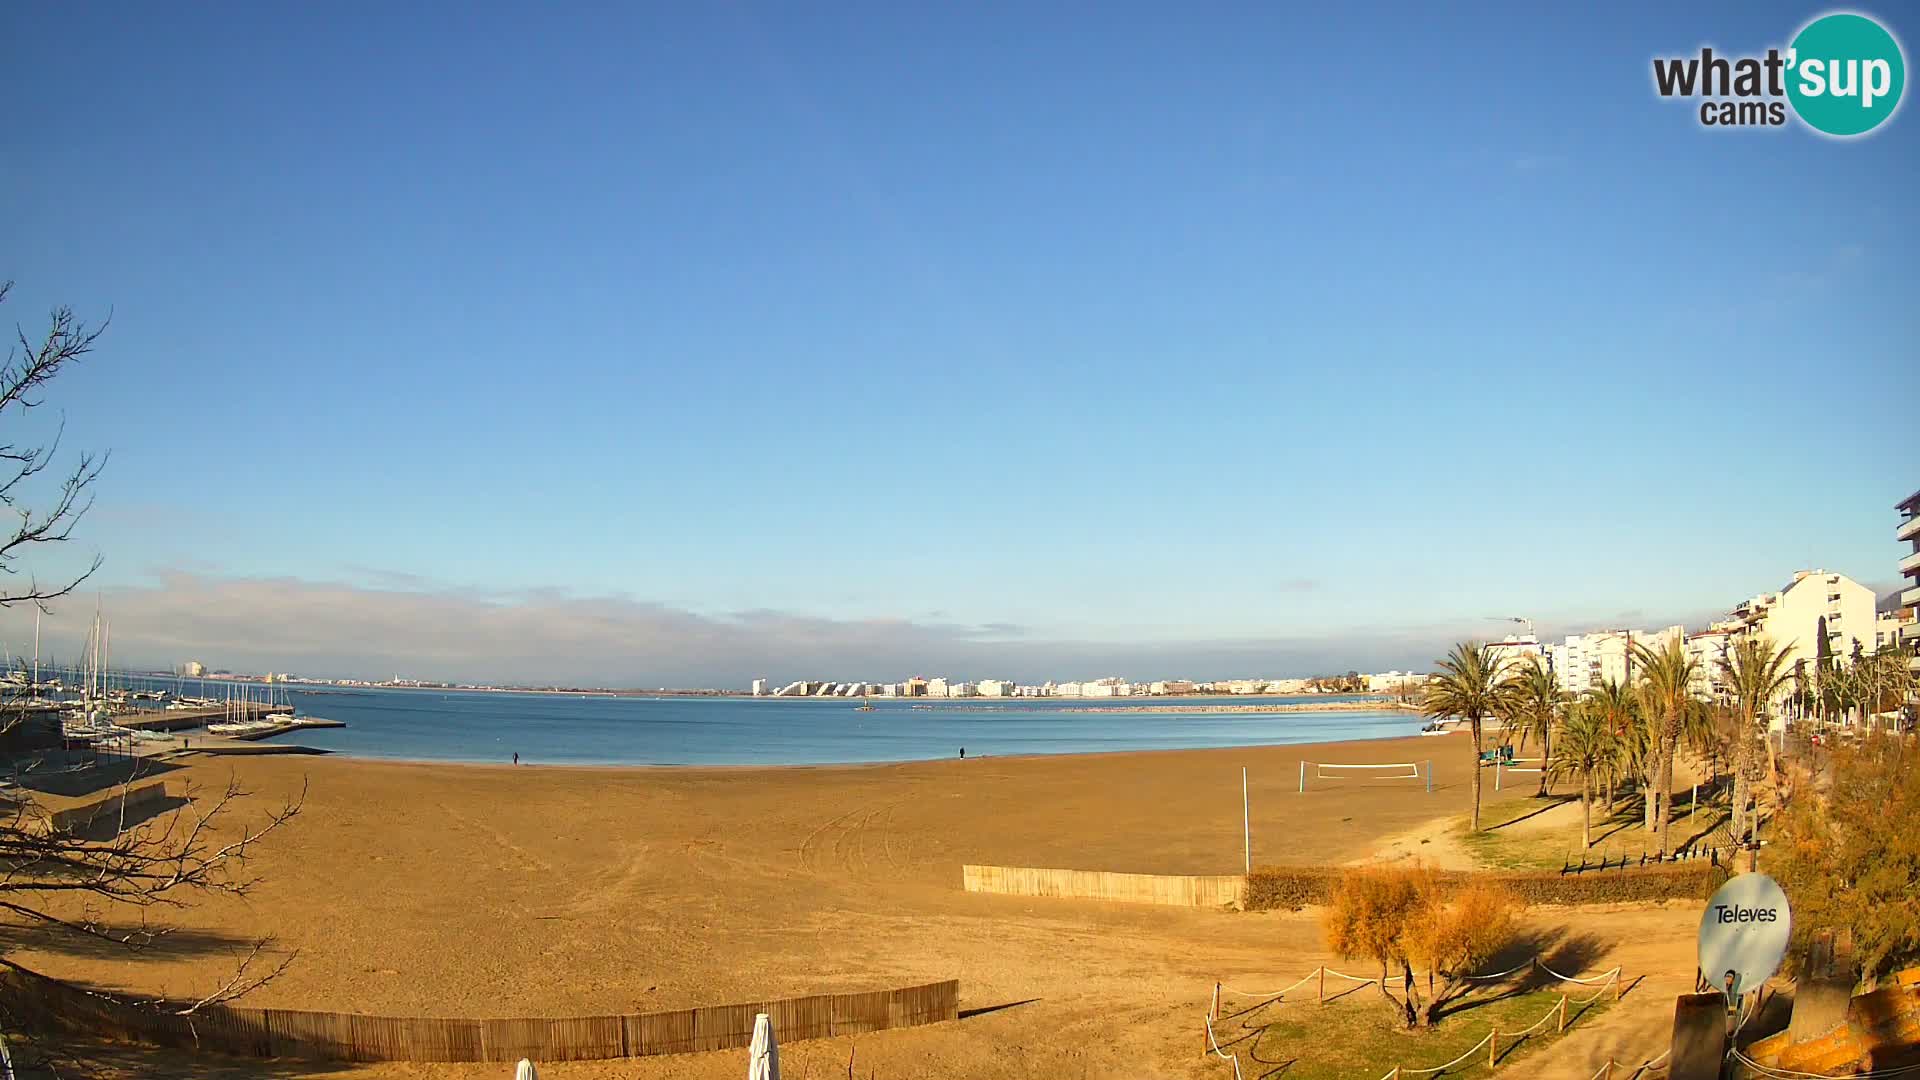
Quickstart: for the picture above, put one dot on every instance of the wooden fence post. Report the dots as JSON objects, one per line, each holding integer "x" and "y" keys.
{"x": 1322, "y": 996}
{"x": 1562, "y": 1027}
{"x": 1493, "y": 1047}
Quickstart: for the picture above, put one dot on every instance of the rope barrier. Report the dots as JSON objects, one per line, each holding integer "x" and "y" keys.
{"x": 1455, "y": 1061}
{"x": 1358, "y": 979}
{"x": 1500, "y": 974}
{"x": 1652, "y": 1063}
{"x": 1794, "y": 1074}
{"x": 1607, "y": 979}
{"x": 1602, "y": 977}
{"x": 1252, "y": 994}
{"x": 1214, "y": 1044}
{"x": 1598, "y": 994}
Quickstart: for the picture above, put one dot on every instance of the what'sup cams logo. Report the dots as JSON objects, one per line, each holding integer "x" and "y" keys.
{"x": 1843, "y": 75}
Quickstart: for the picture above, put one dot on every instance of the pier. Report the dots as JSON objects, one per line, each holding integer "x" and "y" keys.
{"x": 182, "y": 719}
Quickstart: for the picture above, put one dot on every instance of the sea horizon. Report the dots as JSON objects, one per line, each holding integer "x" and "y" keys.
{"x": 476, "y": 726}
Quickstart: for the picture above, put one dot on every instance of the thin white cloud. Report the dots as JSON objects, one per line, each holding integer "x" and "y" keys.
{"x": 405, "y": 626}
{"x": 409, "y": 627}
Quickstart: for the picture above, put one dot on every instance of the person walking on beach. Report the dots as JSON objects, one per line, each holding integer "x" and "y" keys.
{"x": 963, "y": 753}
{"x": 516, "y": 757}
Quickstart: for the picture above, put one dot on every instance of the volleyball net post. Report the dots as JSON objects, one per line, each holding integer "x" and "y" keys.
{"x": 1391, "y": 770}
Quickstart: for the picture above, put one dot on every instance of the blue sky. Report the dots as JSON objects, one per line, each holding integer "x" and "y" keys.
{"x": 1089, "y": 333}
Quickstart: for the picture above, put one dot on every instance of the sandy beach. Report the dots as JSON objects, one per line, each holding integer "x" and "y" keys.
{"x": 466, "y": 890}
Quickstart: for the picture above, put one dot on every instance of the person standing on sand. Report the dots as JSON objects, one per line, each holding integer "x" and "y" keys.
{"x": 963, "y": 753}
{"x": 516, "y": 757}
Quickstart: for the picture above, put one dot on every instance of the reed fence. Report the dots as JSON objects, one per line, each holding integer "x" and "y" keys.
{"x": 324, "y": 1036}
{"x": 1179, "y": 890}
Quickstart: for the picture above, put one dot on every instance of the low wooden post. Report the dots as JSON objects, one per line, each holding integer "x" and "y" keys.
{"x": 1322, "y": 997}
{"x": 1493, "y": 1047}
{"x": 1561, "y": 1028}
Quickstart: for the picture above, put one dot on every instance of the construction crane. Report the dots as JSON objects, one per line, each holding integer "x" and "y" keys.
{"x": 1528, "y": 623}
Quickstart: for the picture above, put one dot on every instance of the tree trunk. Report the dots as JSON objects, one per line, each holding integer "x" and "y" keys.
{"x": 1586, "y": 810}
{"x": 1419, "y": 1013}
{"x": 1737, "y": 820}
{"x": 1546, "y": 755}
{"x": 1402, "y": 1006}
{"x": 1474, "y": 721}
{"x": 1666, "y": 786}
{"x": 1647, "y": 788}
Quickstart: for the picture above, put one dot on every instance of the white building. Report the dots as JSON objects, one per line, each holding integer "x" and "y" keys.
{"x": 937, "y": 687}
{"x": 1890, "y": 628}
{"x": 1286, "y": 686}
{"x": 759, "y": 688}
{"x": 1909, "y": 533}
{"x": 193, "y": 669}
{"x": 1509, "y": 650}
{"x": 1795, "y": 616}
{"x": 1707, "y": 649}
{"x": 1584, "y": 662}
{"x": 995, "y": 687}
{"x": 1385, "y": 682}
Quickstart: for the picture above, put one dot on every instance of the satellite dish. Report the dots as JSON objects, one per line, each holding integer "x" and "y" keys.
{"x": 1743, "y": 935}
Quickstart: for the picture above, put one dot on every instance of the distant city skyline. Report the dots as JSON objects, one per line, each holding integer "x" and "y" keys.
{"x": 690, "y": 344}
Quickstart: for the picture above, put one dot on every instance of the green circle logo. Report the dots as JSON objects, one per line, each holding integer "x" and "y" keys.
{"x": 1845, "y": 74}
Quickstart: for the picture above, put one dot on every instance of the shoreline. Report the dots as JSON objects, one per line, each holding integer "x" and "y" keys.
{"x": 1277, "y": 707}
{"x": 682, "y": 768}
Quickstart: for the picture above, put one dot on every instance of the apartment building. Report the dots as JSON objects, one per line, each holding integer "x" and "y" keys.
{"x": 1908, "y": 532}
{"x": 1813, "y": 604}
{"x": 1583, "y": 662}
{"x": 1707, "y": 649}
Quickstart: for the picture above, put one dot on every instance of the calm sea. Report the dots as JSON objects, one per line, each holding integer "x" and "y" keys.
{"x": 432, "y": 725}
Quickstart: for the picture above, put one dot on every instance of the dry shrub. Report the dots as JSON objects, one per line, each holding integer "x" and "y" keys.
{"x": 1290, "y": 888}
{"x": 1409, "y": 915}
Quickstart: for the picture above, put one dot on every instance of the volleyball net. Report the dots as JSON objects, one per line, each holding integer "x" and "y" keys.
{"x": 1334, "y": 774}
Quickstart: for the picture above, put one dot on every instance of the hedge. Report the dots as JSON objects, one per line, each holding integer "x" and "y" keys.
{"x": 1271, "y": 888}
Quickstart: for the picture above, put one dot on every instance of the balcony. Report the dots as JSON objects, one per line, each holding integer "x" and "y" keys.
{"x": 1911, "y": 564}
{"x": 1910, "y": 598}
{"x": 1909, "y": 528}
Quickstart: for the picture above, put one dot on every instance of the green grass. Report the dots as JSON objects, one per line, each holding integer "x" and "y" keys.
{"x": 1501, "y": 845}
{"x": 1358, "y": 1036}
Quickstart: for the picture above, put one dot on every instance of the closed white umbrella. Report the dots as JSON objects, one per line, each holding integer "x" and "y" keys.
{"x": 525, "y": 1071}
{"x": 763, "y": 1057}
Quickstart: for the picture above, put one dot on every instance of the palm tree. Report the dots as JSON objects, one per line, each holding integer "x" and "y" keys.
{"x": 1757, "y": 675}
{"x": 1585, "y": 748}
{"x": 1536, "y": 707}
{"x": 1612, "y": 702}
{"x": 1472, "y": 682}
{"x": 1665, "y": 678}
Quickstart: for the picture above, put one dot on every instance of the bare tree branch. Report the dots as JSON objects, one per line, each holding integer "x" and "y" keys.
{"x": 84, "y": 884}
{"x": 31, "y": 363}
